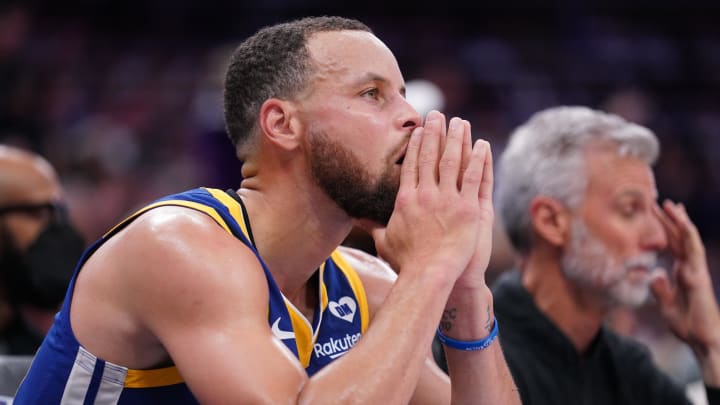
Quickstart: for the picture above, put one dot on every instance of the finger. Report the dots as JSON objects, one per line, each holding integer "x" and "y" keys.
{"x": 377, "y": 233}
{"x": 662, "y": 217}
{"x": 474, "y": 173}
{"x": 687, "y": 226}
{"x": 381, "y": 248}
{"x": 672, "y": 213}
{"x": 429, "y": 150}
{"x": 443, "y": 135}
{"x": 409, "y": 169}
{"x": 486, "y": 184}
{"x": 368, "y": 225}
{"x": 664, "y": 292}
{"x": 676, "y": 217}
{"x": 467, "y": 150}
{"x": 670, "y": 229}
{"x": 451, "y": 159}
{"x": 688, "y": 235}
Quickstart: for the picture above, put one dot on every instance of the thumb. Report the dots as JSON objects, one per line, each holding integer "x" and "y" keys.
{"x": 375, "y": 230}
{"x": 663, "y": 291}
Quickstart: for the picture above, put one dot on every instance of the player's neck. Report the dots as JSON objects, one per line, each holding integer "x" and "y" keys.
{"x": 295, "y": 227}
{"x": 306, "y": 299}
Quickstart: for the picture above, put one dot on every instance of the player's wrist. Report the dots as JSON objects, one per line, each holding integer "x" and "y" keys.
{"x": 469, "y": 345}
{"x": 470, "y": 296}
{"x": 469, "y": 314}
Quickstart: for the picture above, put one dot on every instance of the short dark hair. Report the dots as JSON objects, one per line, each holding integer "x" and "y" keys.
{"x": 274, "y": 62}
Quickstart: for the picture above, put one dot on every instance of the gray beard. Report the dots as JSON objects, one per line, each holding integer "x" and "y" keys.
{"x": 589, "y": 264}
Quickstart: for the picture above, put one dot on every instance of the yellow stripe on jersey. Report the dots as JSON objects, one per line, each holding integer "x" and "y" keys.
{"x": 356, "y": 285}
{"x": 303, "y": 334}
{"x": 189, "y": 204}
{"x": 304, "y": 337}
{"x": 153, "y": 378}
{"x": 323, "y": 290}
{"x": 233, "y": 206}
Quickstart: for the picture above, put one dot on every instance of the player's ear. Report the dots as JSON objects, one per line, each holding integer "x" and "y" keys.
{"x": 278, "y": 123}
{"x": 550, "y": 220}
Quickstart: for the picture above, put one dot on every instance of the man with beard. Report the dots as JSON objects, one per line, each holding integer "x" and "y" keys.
{"x": 38, "y": 249}
{"x": 244, "y": 297}
{"x": 578, "y": 199}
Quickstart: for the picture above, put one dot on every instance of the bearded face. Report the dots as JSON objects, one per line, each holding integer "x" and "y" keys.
{"x": 347, "y": 181}
{"x": 590, "y": 264}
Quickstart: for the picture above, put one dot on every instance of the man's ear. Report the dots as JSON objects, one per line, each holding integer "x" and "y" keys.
{"x": 278, "y": 123}
{"x": 550, "y": 220}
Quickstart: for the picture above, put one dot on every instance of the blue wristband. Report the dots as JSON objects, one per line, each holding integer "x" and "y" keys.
{"x": 471, "y": 345}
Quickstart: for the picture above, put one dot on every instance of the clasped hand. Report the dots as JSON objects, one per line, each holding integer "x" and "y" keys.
{"x": 443, "y": 212}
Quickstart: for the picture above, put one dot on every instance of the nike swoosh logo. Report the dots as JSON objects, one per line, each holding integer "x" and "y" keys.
{"x": 336, "y": 355}
{"x": 281, "y": 334}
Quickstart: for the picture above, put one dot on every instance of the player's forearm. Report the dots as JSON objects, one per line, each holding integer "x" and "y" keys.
{"x": 477, "y": 376}
{"x": 386, "y": 363}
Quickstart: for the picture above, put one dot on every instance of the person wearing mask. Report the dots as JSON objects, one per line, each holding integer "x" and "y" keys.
{"x": 39, "y": 248}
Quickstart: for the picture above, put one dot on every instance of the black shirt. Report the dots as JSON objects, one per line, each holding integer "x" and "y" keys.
{"x": 548, "y": 370}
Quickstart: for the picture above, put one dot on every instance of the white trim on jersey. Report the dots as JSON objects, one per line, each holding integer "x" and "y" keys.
{"x": 111, "y": 385}
{"x": 80, "y": 377}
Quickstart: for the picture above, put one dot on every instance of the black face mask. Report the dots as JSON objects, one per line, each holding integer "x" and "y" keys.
{"x": 39, "y": 276}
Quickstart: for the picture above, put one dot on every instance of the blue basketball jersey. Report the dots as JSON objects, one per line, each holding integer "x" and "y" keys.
{"x": 63, "y": 372}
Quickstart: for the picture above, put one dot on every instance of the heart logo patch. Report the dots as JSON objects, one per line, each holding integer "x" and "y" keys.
{"x": 344, "y": 308}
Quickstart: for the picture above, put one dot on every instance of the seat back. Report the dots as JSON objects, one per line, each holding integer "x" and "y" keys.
{"x": 12, "y": 372}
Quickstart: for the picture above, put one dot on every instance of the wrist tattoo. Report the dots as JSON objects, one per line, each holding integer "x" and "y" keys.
{"x": 448, "y": 316}
{"x": 489, "y": 322}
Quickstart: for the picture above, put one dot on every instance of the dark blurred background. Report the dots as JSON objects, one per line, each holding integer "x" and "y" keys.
{"x": 124, "y": 97}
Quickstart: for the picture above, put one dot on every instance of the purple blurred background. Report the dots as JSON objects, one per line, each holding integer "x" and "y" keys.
{"x": 124, "y": 98}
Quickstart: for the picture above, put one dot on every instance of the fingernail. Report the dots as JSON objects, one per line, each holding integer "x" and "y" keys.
{"x": 433, "y": 115}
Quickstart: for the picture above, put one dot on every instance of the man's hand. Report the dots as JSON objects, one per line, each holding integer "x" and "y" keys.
{"x": 688, "y": 303}
{"x": 437, "y": 216}
{"x": 474, "y": 274}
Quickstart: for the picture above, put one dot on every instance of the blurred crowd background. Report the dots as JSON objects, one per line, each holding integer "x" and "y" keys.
{"x": 125, "y": 98}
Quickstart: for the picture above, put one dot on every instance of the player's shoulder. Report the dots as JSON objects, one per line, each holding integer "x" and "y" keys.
{"x": 174, "y": 226}
{"x": 178, "y": 238}
{"x": 367, "y": 265}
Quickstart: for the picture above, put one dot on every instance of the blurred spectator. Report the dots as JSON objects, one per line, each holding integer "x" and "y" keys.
{"x": 38, "y": 249}
{"x": 578, "y": 201}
